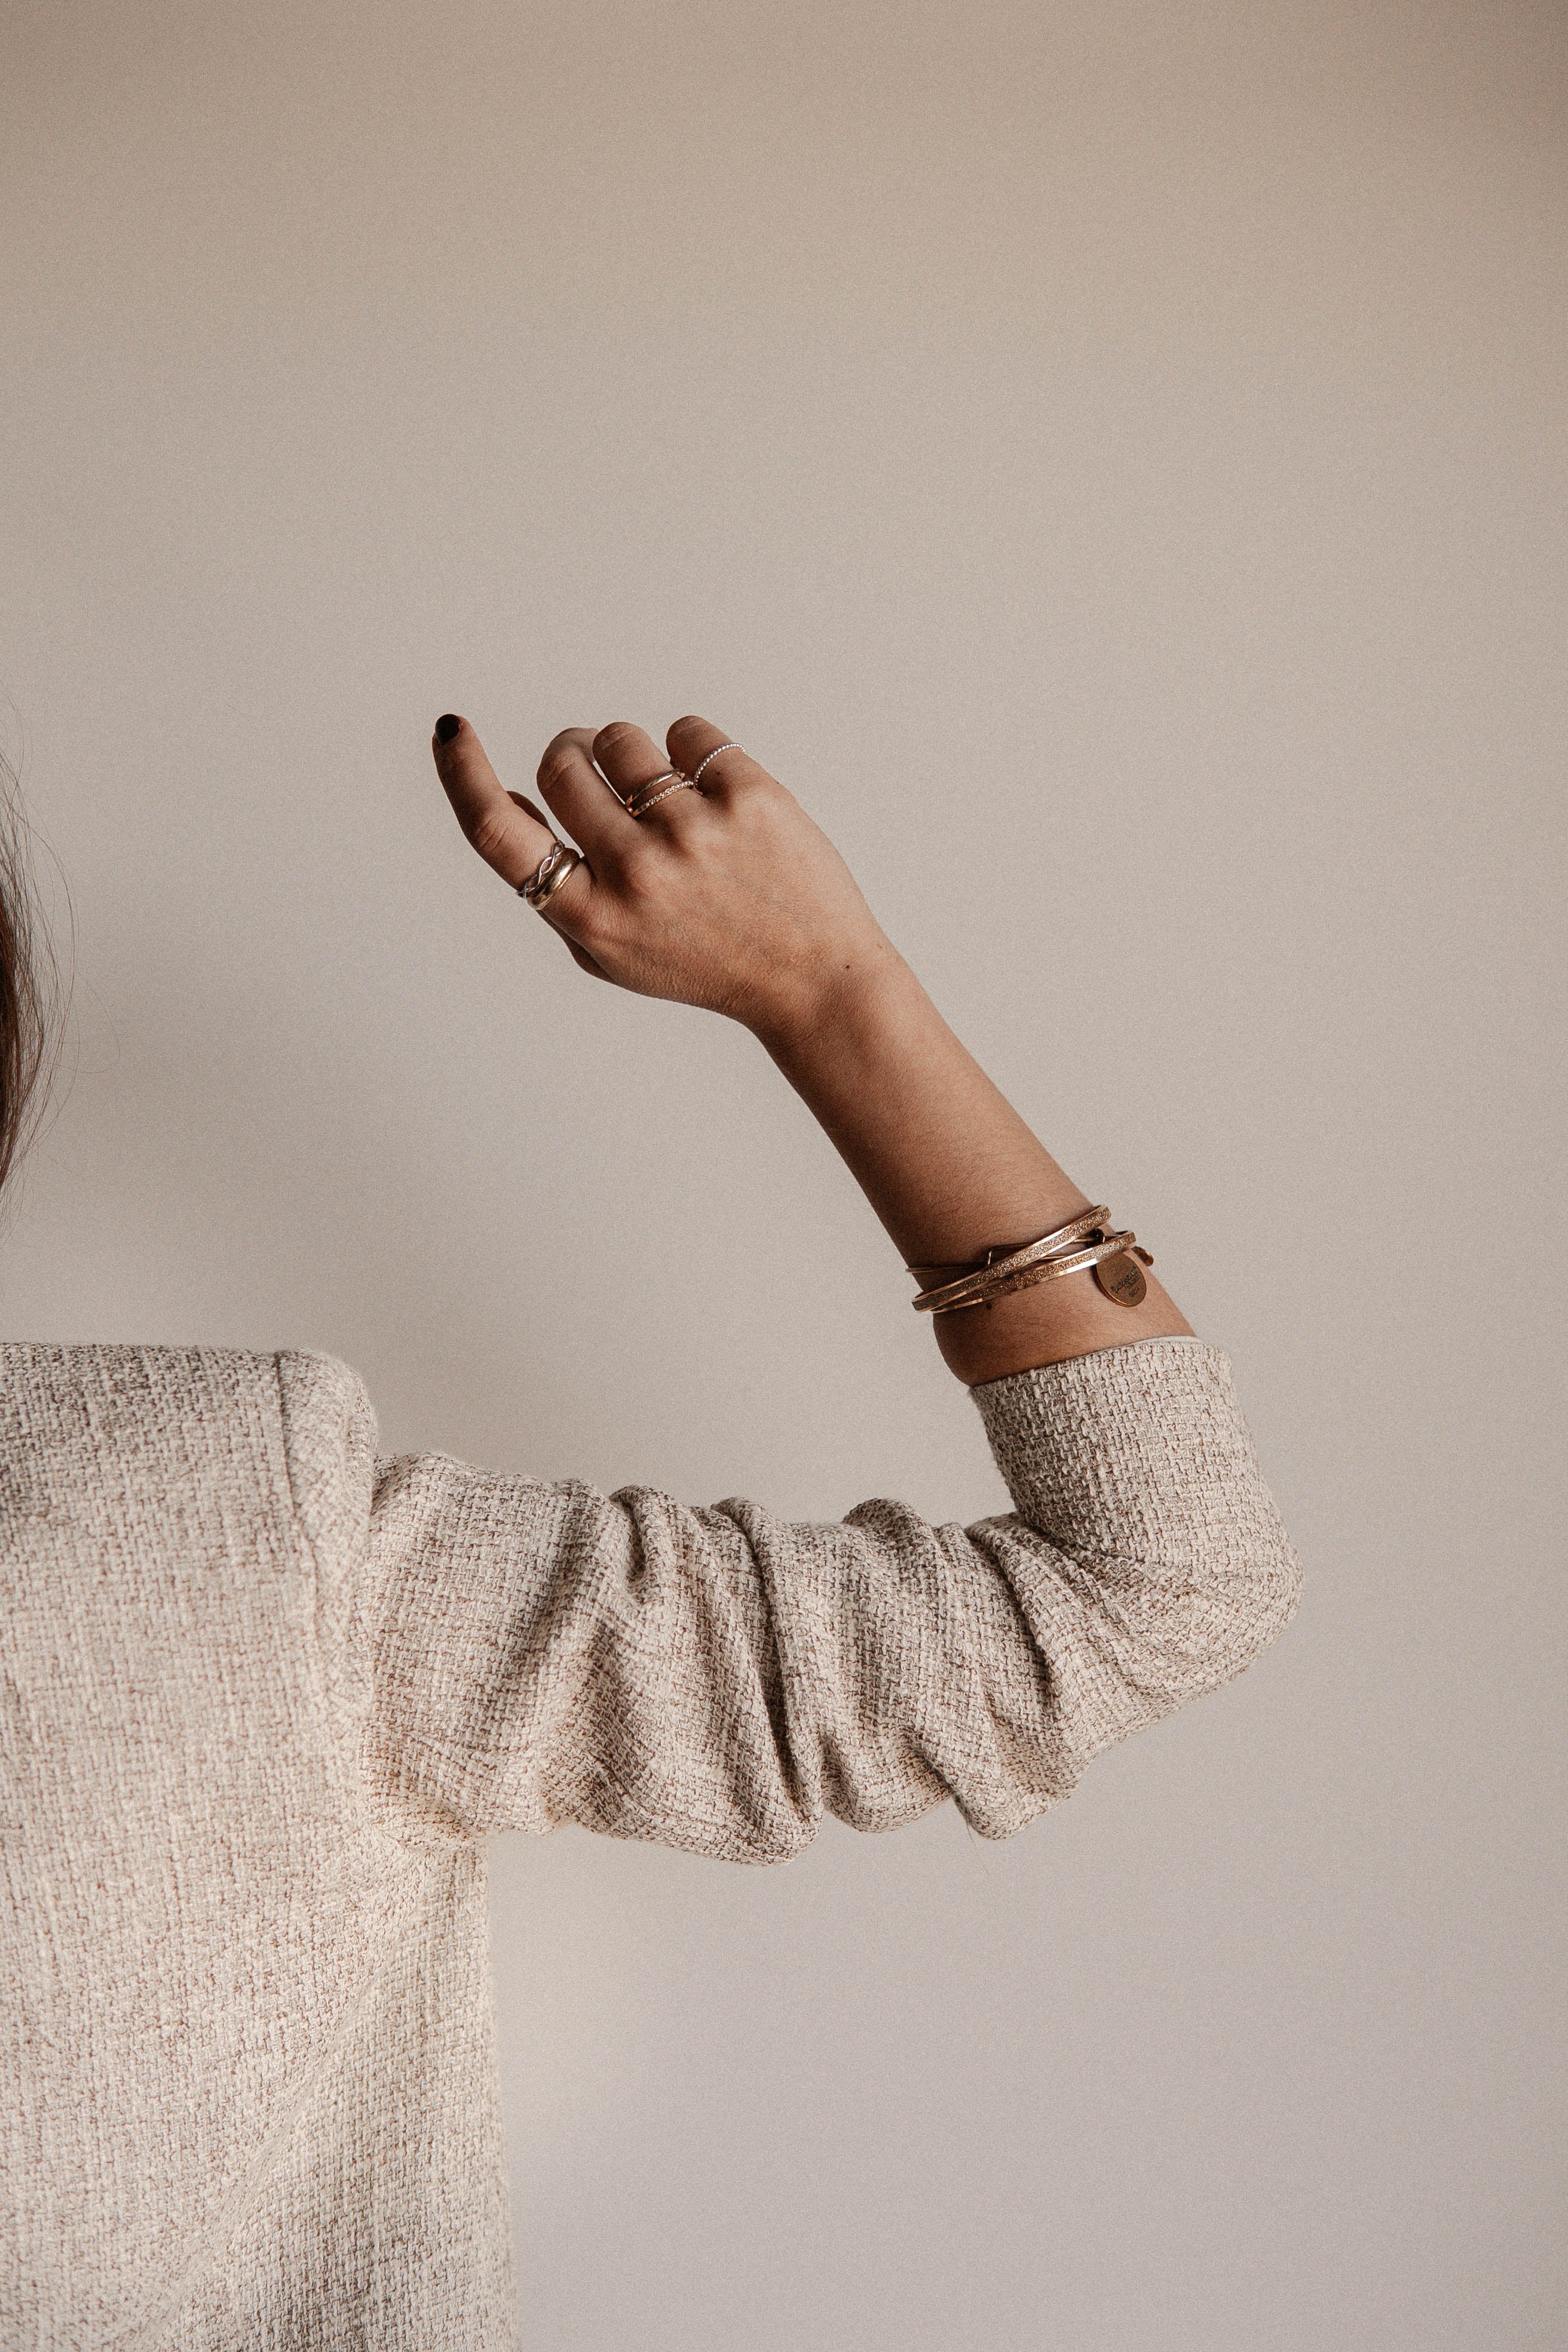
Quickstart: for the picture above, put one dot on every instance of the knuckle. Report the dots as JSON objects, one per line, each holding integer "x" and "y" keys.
{"x": 571, "y": 909}
{"x": 638, "y": 874}
{"x": 568, "y": 910}
{"x": 556, "y": 765}
{"x": 685, "y": 734}
{"x": 490, "y": 831}
{"x": 615, "y": 732}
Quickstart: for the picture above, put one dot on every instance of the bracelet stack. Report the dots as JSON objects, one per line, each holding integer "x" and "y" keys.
{"x": 1086, "y": 1244}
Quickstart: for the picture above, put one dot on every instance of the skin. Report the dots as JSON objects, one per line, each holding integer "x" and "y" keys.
{"x": 730, "y": 897}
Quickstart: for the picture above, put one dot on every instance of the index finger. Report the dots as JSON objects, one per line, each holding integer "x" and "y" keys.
{"x": 505, "y": 834}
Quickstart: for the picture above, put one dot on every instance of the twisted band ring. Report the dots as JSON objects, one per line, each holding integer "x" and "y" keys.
{"x": 559, "y": 862}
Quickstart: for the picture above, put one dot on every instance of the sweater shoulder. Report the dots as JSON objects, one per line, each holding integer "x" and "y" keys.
{"x": 329, "y": 1439}
{"x": 176, "y": 1453}
{"x": 119, "y": 1414}
{"x": 174, "y": 1413}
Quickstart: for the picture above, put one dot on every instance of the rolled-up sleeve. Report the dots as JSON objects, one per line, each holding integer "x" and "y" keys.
{"x": 717, "y": 1678}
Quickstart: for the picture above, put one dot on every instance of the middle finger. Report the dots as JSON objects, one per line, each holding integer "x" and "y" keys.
{"x": 576, "y": 793}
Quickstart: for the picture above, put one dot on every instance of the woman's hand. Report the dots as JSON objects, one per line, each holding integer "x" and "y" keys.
{"x": 730, "y": 897}
{"x": 727, "y": 897}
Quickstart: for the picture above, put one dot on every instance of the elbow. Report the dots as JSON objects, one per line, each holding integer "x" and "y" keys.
{"x": 1194, "y": 1624}
{"x": 1275, "y": 1598}
{"x": 1251, "y": 1602}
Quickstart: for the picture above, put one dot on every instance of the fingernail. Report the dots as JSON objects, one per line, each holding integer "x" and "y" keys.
{"x": 447, "y": 727}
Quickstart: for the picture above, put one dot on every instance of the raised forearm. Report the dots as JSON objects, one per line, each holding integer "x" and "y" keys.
{"x": 947, "y": 1164}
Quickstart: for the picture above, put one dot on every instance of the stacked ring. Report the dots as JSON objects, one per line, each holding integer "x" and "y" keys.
{"x": 658, "y": 788}
{"x": 559, "y": 862}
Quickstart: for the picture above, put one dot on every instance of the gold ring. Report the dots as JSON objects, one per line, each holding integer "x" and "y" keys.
{"x": 657, "y": 789}
{"x": 559, "y": 863}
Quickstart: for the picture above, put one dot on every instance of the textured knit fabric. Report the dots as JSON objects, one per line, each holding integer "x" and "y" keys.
{"x": 265, "y": 1695}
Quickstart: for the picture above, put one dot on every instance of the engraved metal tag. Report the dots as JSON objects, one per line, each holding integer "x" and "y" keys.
{"x": 1122, "y": 1278}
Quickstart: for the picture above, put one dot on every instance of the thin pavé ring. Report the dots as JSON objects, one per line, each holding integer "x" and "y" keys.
{"x": 713, "y": 754}
{"x": 658, "y": 788}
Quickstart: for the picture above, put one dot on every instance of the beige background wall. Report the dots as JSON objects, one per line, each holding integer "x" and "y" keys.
{"x": 1109, "y": 458}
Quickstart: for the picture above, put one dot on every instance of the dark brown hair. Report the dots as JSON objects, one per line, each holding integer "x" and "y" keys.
{"x": 28, "y": 985}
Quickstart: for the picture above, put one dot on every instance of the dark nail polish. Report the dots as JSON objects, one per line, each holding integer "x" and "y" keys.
{"x": 447, "y": 727}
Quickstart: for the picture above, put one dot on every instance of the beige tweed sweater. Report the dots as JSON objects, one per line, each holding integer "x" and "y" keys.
{"x": 265, "y": 1696}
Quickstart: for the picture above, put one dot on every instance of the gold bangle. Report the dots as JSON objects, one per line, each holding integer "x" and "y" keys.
{"x": 1024, "y": 1269}
{"x": 1004, "y": 1259}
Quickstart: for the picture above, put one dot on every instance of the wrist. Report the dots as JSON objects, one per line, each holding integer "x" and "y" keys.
{"x": 840, "y": 995}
